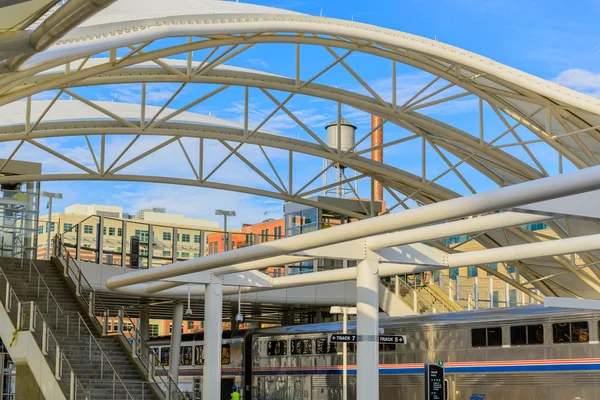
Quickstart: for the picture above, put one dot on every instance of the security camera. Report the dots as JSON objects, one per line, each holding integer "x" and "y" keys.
{"x": 239, "y": 317}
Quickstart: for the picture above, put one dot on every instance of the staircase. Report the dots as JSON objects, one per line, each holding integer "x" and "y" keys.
{"x": 100, "y": 365}
{"x": 422, "y": 299}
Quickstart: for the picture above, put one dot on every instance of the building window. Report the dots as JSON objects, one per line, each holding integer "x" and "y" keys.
{"x": 167, "y": 236}
{"x": 111, "y": 231}
{"x": 472, "y": 271}
{"x": 153, "y": 330}
{"x": 196, "y": 238}
{"x": 143, "y": 252}
{"x": 537, "y": 226}
{"x": 142, "y": 235}
{"x": 166, "y": 253}
{"x": 512, "y": 298}
{"x": 196, "y": 255}
{"x": 89, "y": 229}
{"x": 68, "y": 227}
{"x": 185, "y": 237}
{"x": 119, "y": 231}
{"x": 104, "y": 230}
{"x": 41, "y": 230}
{"x": 190, "y": 324}
{"x": 185, "y": 254}
{"x": 511, "y": 269}
{"x": 51, "y": 225}
{"x": 453, "y": 273}
{"x": 493, "y": 266}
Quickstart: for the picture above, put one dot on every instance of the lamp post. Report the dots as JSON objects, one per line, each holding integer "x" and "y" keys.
{"x": 49, "y": 196}
{"x": 225, "y": 214}
{"x": 345, "y": 311}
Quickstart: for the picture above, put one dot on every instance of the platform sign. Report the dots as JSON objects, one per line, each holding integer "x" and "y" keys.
{"x": 342, "y": 338}
{"x": 351, "y": 338}
{"x": 392, "y": 339}
{"x": 434, "y": 382}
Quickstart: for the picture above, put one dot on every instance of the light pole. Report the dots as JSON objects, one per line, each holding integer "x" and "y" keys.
{"x": 225, "y": 214}
{"x": 49, "y": 196}
{"x": 345, "y": 311}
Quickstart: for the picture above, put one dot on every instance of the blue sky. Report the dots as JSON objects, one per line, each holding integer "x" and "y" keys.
{"x": 544, "y": 38}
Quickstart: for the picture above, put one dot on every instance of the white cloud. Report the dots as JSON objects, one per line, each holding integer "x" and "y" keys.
{"x": 257, "y": 62}
{"x": 581, "y": 80}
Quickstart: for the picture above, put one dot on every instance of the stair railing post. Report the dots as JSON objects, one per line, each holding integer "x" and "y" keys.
{"x": 72, "y": 386}
{"x": 57, "y": 374}
{"x": 44, "y": 338}
{"x": 105, "y": 323}
{"x": 32, "y": 316}
{"x": 150, "y": 366}
{"x": 78, "y": 287}
{"x": 19, "y": 315}
{"x": 91, "y": 305}
{"x": 397, "y": 286}
{"x": 120, "y": 322}
{"x": 7, "y": 298}
{"x": 415, "y": 301}
{"x": 134, "y": 345}
{"x": 450, "y": 289}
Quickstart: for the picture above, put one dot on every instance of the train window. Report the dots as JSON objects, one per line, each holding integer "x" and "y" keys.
{"x": 164, "y": 356}
{"x": 482, "y": 337}
{"x": 226, "y": 354}
{"x": 185, "y": 357}
{"x": 324, "y": 347}
{"x": 387, "y": 347}
{"x": 276, "y": 348}
{"x": 576, "y": 332}
{"x": 301, "y": 347}
{"x": 527, "y": 334}
{"x": 198, "y": 355}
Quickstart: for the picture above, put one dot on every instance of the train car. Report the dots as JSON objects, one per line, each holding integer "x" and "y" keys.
{"x": 191, "y": 360}
{"x": 522, "y": 353}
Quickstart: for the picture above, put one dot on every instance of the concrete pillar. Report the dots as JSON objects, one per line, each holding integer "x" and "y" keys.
{"x": 144, "y": 327}
{"x": 176, "y": 340}
{"x": 26, "y": 387}
{"x": 213, "y": 316}
{"x": 367, "y": 329}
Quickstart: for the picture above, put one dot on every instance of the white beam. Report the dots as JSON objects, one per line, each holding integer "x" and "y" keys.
{"x": 512, "y": 196}
{"x": 525, "y": 251}
{"x": 367, "y": 330}
{"x": 563, "y": 302}
{"x": 432, "y": 232}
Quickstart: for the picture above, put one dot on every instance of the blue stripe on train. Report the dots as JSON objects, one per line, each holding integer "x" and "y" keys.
{"x": 450, "y": 370}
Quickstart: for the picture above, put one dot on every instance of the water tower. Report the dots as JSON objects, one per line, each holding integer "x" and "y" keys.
{"x": 337, "y": 172}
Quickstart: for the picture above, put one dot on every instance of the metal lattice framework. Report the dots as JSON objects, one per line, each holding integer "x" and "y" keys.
{"x": 516, "y": 116}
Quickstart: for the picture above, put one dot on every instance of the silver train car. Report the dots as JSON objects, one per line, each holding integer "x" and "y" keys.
{"x": 520, "y": 353}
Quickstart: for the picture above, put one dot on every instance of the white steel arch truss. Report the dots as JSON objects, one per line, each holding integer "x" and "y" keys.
{"x": 135, "y": 52}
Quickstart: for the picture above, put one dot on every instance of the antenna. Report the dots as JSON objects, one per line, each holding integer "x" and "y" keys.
{"x": 321, "y": 14}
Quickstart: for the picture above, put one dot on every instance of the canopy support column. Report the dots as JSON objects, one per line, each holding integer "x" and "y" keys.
{"x": 213, "y": 315}
{"x": 367, "y": 329}
{"x": 176, "y": 340}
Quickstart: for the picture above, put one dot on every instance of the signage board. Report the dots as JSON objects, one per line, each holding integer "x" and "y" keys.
{"x": 342, "y": 338}
{"x": 352, "y": 338}
{"x": 392, "y": 339}
{"x": 434, "y": 382}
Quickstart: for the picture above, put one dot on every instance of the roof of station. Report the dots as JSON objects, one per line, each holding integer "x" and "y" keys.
{"x": 561, "y": 119}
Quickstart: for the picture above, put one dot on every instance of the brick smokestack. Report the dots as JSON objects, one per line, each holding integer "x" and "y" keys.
{"x": 377, "y": 154}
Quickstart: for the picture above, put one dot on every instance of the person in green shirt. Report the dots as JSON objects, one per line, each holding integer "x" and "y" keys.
{"x": 235, "y": 395}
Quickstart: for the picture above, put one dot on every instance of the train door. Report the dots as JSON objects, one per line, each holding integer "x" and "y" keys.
{"x": 450, "y": 388}
{"x": 226, "y": 385}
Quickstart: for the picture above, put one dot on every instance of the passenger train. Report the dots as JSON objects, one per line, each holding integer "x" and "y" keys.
{"x": 528, "y": 352}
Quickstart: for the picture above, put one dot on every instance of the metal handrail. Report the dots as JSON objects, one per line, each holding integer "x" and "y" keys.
{"x": 80, "y": 320}
{"x": 41, "y": 278}
{"x": 59, "y": 246}
{"x": 22, "y": 250}
{"x": 170, "y": 382}
{"x": 48, "y": 331}
{"x": 115, "y": 374}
